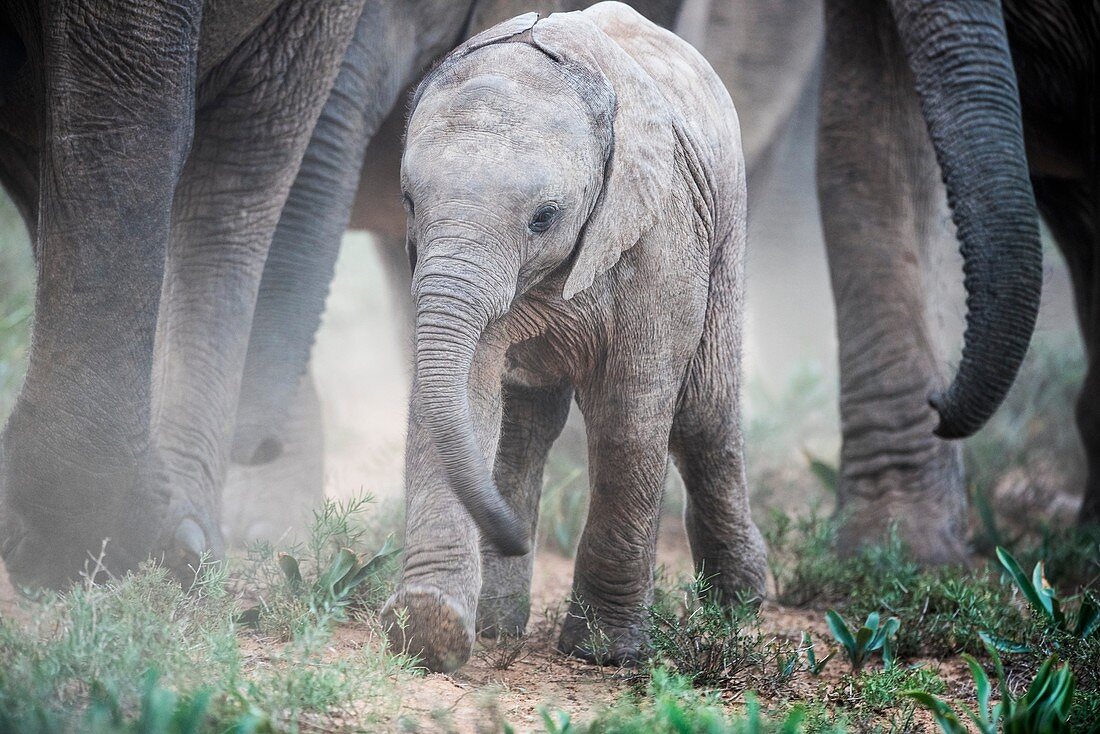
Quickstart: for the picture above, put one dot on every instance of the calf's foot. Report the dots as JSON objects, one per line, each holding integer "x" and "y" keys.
{"x": 430, "y": 625}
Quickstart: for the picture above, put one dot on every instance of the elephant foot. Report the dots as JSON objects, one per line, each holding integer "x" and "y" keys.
{"x": 932, "y": 528}
{"x": 429, "y": 625}
{"x": 60, "y": 522}
{"x": 503, "y": 616}
{"x": 736, "y": 572}
{"x": 269, "y": 494}
{"x": 585, "y": 638}
{"x": 270, "y": 503}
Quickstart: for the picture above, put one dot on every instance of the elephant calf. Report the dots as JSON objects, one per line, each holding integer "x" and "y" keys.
{"x": 575, "y": 191}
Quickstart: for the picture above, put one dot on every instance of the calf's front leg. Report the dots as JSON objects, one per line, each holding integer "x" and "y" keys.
{"x": 432, "y": 613}
{"x": 629, "y": 419}
{"x": 533, "y": 418}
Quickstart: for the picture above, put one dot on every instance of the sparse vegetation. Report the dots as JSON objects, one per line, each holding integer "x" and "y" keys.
{"x": 717, "y": 646}
{"x": 670, "y": 705}
{"x": 143, "y": 654}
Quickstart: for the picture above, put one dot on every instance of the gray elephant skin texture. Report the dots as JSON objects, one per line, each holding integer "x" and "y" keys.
{"x": 575, "y": 191}
{"x": 186, "y": 171}
{"x": 976, "y": 111}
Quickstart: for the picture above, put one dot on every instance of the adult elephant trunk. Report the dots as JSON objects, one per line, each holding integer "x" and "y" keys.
{"x": 449, "y": 326}
{"x": 958, "y": 53}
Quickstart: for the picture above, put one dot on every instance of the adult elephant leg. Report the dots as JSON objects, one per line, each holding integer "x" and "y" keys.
{"x": 77, "y": 464}
{"x": 628, "y": 424}
{"x": 432, "y": 614}
{"x": 274, "y": 501}
{"x": 533, "y": 418}
{"x": 883, "y": 227}
{"x": 1069, "y": 212}
{"x": 249, "y": 143}
{"x": 303, "y": 254}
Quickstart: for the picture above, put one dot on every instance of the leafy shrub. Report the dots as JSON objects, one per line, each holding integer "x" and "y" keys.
{"x": 716, "y": 645}
{"x": 1043, "y": 709}
{"x": 1046, "y": 605}
{"x": 314, "y": 582}
{"x": 945, "y": 608}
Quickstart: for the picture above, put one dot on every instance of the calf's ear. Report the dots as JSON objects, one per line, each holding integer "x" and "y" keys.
{"x": 640, "y": 138}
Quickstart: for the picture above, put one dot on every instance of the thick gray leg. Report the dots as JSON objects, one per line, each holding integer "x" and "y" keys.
{"x": 302, "y": 258}
{"x": 225, "y": 213}
{"x": 77, "y": 460}
{"x": 883, "y": 217}
{"x": 533, "y": 419}
{"x": 432, "y": 613}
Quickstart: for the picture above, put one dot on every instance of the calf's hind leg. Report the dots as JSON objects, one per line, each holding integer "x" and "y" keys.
{"x": 532, "y": 419}
{"x": 706, "y": 444}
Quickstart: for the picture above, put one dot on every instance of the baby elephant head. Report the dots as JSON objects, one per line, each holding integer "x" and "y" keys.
{"x": 536, "y": 153}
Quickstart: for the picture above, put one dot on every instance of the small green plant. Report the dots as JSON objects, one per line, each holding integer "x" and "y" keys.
{"x": 335, "y": 586}
{"x": 1045, "y": 603}
{"x": 1044, "y": 709}
{"x": 825, "y": 473}
{"x": 813, "y": 665}
{"x": 878, "y": 690}
{"x": 872, "y": 636}
{"x": 315, "y": 582}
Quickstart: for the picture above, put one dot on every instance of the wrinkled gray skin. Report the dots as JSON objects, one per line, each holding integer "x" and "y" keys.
{"x": 186, "y": 193}
{"x": 916, "y": 94}
{"x": 764, "y": 51}
{"x": 576, "y": 221}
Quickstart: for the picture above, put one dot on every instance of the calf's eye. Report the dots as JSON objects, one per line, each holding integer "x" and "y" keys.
{"x": 544, "y": 216}
{"x": 407, "y": 201}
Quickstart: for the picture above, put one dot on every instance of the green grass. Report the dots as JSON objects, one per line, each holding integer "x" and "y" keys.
{"x": 942, "y": 609}
{"x": 141, "y": 650}
{"x": 717, "y": 646}
{"x": 669, "y": 704}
